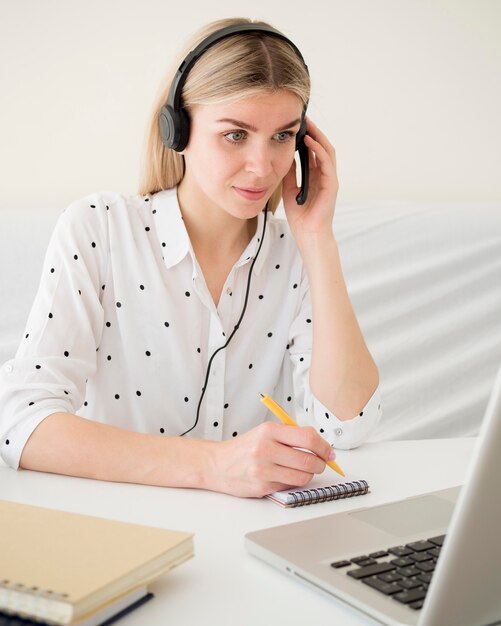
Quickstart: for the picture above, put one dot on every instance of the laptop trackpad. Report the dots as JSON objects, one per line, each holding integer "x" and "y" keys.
{"x": 409, "y": 517}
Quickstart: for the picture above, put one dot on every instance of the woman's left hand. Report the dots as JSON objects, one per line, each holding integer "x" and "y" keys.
{"x": 316, "y": 214}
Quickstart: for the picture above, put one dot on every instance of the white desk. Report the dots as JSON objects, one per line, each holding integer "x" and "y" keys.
{"x": 223, "y": 585}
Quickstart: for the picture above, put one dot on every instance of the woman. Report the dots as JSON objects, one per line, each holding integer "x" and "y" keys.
{"x": 168, "y": 313}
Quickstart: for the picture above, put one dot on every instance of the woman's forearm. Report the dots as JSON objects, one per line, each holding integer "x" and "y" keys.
{"x": 267, "y": 458}
{"x": 67, "y": 444}
{"x": 343, "y": 374}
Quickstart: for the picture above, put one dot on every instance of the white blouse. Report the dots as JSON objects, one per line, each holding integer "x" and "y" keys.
{"x": 123, "y": 327}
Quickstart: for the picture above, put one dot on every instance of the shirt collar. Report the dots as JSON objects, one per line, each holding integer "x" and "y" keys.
{"x": 175, "y": 240}
{"x": 170, "y": 227}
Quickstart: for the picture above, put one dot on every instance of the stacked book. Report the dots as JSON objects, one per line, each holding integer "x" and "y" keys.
{"x": 65, "y": 568}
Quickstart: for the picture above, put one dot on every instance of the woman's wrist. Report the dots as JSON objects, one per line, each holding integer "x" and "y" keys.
{"x": 186, "y": 463}
{"x": 318, "y": 250}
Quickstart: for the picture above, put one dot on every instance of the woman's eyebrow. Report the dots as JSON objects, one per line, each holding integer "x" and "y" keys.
{"x": 246, "y": 126}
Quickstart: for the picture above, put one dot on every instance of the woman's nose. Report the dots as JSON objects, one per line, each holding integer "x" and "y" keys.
{"x": 259, "y": 160}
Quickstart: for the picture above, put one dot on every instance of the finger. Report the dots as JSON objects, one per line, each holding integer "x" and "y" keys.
{"x": 299, "y": 459}
{"x": 288, "y": 477}
{"x": 305, "y": 437}
{"x": 326, "y": 163}
{"x": 314, "y": 131}
{"x": 322, "y": 155}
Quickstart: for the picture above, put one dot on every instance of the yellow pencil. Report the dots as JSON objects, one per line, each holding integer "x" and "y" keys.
{"x": 286, "y": 419}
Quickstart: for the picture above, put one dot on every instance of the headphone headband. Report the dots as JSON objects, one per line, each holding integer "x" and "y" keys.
{"x": 174, "y": 98}
{"x": 173, "y": 119}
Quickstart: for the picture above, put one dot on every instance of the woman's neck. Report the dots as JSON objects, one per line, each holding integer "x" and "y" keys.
{"x": 211, "y": 228}
{"x": 218, "y": 240}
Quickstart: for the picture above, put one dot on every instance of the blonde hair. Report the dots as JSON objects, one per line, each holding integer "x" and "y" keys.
{"x": 239, "y": 66}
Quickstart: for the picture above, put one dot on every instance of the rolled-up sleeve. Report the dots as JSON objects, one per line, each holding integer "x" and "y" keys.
{"x": 57, "y": 353}
{"x": 342, "y": 434}
{"x": 350, "y": 433}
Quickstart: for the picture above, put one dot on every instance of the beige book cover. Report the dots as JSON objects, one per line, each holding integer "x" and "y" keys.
{"x": 61, "y": 566}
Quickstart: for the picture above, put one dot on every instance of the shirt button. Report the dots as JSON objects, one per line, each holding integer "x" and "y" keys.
{"x": 8, "y": 368}
{"x": 229, "y": 291}
{"x": 338, "y": 432}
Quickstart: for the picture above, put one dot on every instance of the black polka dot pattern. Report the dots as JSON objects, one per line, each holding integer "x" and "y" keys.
{"x": 131, "y": 263}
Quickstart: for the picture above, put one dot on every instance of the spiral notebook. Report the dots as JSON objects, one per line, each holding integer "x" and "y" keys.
{"x": 322, "y": 488}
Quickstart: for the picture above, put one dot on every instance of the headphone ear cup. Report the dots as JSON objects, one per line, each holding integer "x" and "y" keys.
{"x": 184, "y": 130}
{"x": 166, "y": 126}
{"x": 174, "y": 128}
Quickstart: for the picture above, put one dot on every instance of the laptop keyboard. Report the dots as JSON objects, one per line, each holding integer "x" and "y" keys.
{"x": 402, "y": 572}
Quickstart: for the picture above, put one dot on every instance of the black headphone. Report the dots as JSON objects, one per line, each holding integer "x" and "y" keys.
{"x": 174, "y": 122}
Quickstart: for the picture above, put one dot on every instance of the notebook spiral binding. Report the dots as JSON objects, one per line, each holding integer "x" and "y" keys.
{"x": 23, "y": 600}
{"x": 333, "y": 492}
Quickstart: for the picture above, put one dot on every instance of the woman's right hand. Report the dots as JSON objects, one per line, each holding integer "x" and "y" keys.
{"x": 267, "y": 459}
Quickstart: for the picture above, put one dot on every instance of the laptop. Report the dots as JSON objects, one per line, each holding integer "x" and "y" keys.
{"x": 430, "y": 560}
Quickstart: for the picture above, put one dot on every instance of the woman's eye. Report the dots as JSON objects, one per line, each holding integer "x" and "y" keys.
{"x": 284, "y": 136}
{"x": 235, "y": 136}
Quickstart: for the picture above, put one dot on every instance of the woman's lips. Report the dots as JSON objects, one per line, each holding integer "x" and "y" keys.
{"x": 251, "y": 194}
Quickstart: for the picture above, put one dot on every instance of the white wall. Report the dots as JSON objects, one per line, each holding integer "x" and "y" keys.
{"x": 409, "y": 91}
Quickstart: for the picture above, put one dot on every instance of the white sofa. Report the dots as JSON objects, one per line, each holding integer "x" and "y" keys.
{"x": 425, "y": 281}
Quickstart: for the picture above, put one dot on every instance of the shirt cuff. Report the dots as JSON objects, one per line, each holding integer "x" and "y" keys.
{"x": 350, "y": 433}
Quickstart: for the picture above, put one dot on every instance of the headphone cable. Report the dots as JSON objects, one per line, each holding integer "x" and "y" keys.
{"x": 235, "y": 328}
